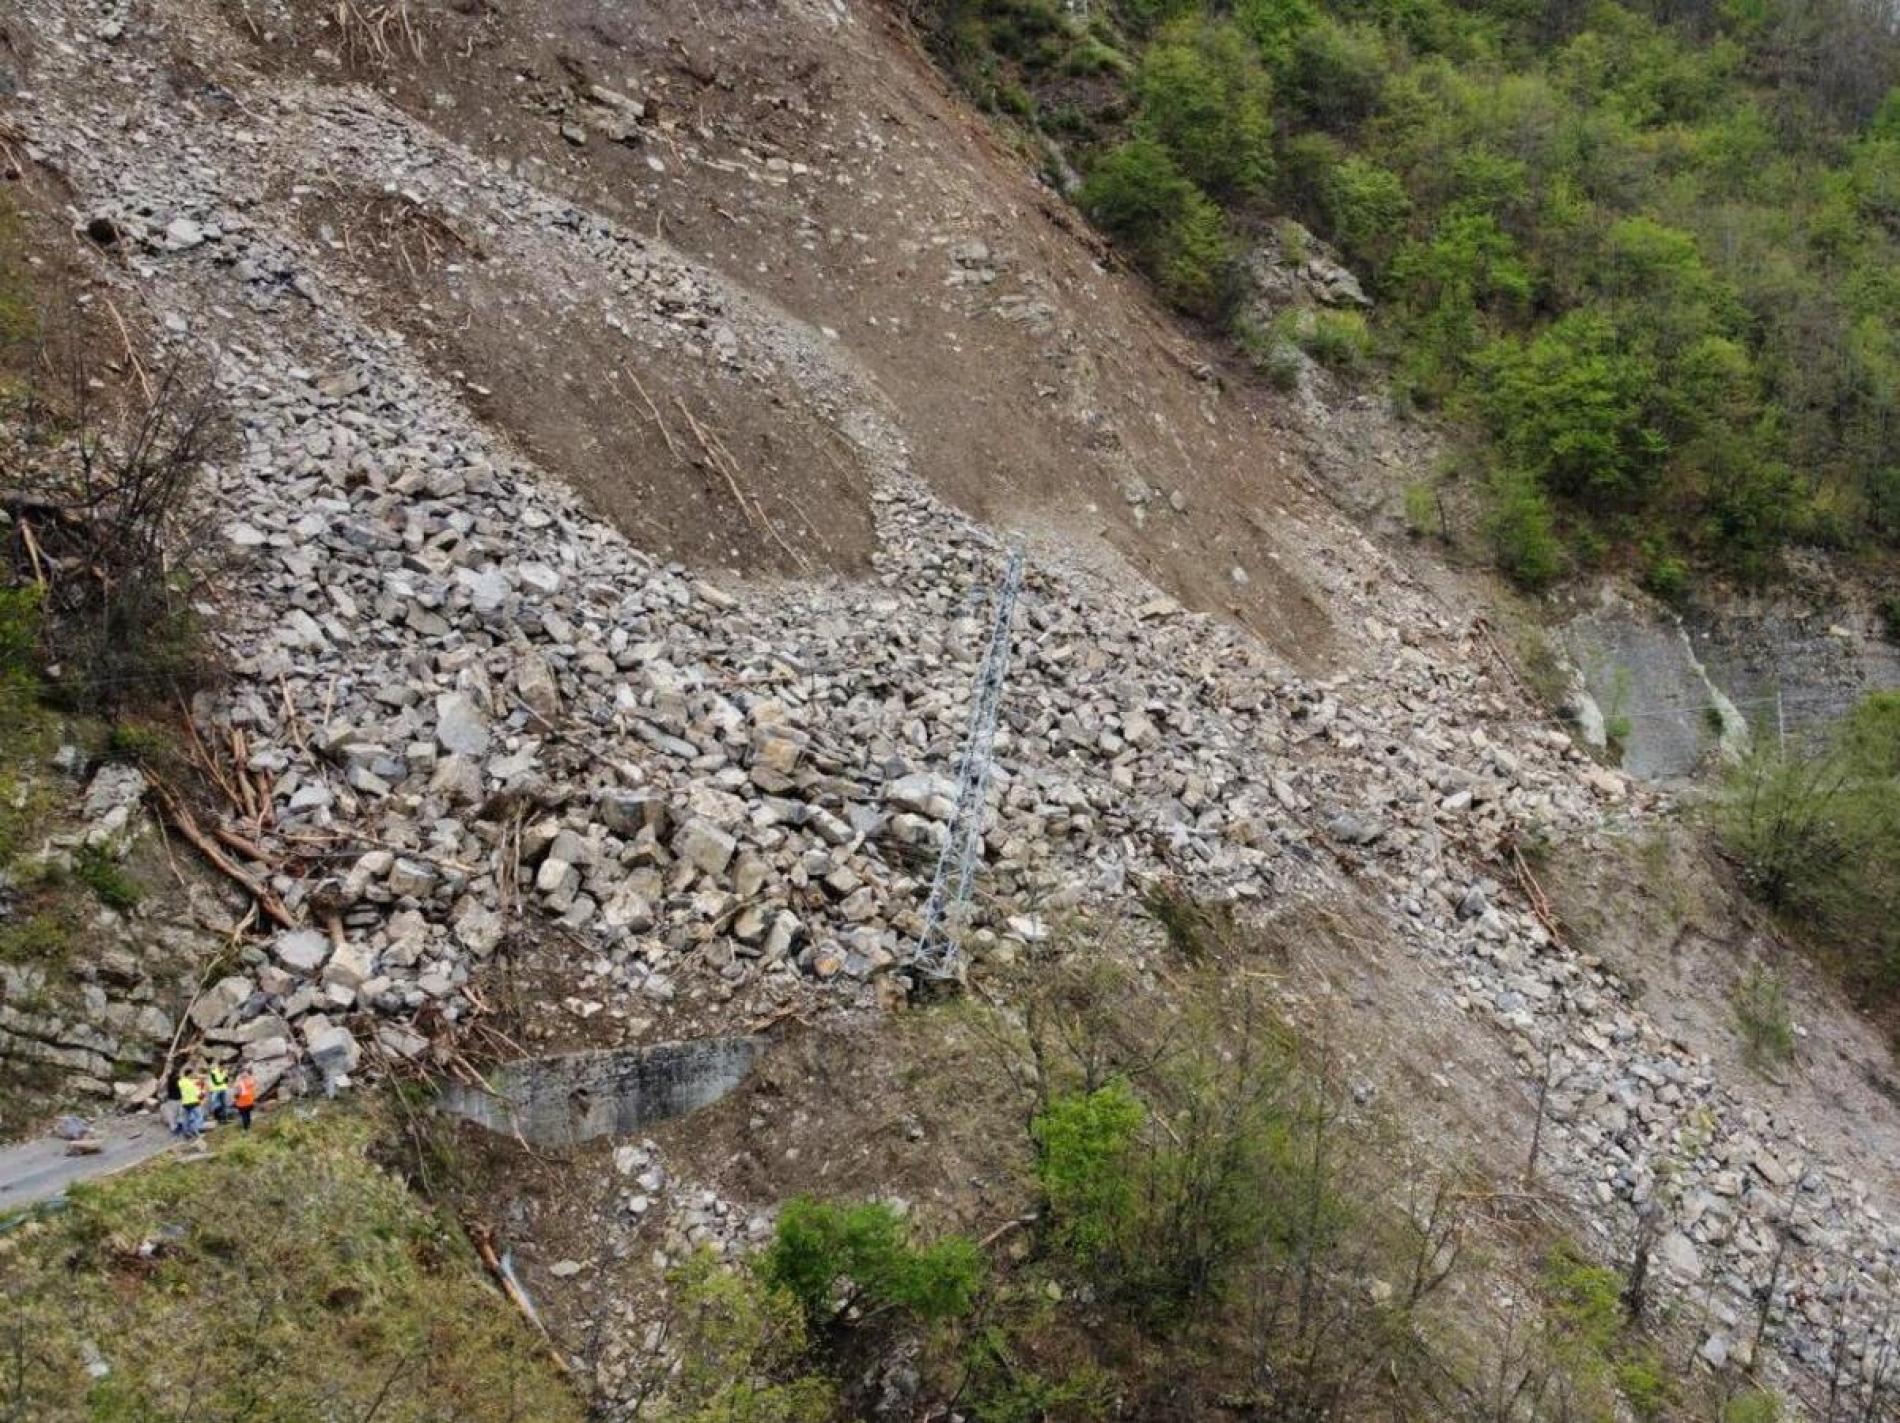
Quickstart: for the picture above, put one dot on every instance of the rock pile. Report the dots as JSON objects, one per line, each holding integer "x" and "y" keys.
{"x": 480, "y": 711}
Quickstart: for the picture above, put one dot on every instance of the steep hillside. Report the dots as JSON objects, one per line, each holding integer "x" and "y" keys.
{"x": 634, "y": 406}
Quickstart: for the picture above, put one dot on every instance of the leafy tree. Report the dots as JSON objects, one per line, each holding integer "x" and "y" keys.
{"x": 1519, "y": 524}
{"x": 1366, "y": 208}
{"x": 1335, "y": 73}
{"x": 1569, "y": 407}
{"x": 1138, "y": 193}
{"x": 1274, "y": 25}
{"x": 1206, "y": 98}
{"x": 1456, "y": 288}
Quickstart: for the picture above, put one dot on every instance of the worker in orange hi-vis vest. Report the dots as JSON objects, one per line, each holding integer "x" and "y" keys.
{"x": 245, "y": 1098}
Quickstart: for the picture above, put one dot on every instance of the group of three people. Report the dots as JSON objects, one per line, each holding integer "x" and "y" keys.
{"x": 196, "y": 1088}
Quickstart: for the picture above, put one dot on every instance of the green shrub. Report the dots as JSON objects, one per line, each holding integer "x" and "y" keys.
{"x": 1817, "y": 837}
{"x": 1093, "y": 56}
{"x": 1664, "y": 574}
{"x": 742, "y": 1351}
{"x": 1643, "y": 1379}
{"x": 1883, "y": 501}
{"x": 1206, "y": 99}
{"x": 1755, "y": 1406}
{"x": 95, "y": 868}
{"x": 820, "y": 1245}
{"x": 1162, "y": 1220}
{"x": 1340, "y": 340}
{"x": 1889, "y": 609}
{"x": 1082, "y": 1145}
{"x": 1585, "y": 1300}
{"x": 1521, "y": 530}
{"x": 1269, "y": 349}
{"x": 1591, "y": 1340}
{"x": 1761, "y": 1008}
{"x": 138, "y": 743}
{"x": 1001, "y": 1388}
{"x": 17, "y": 315}
{"x": 1138, "y": 193}
{"x": 1421, "y": 508}
{"x": 1193, "y": 265}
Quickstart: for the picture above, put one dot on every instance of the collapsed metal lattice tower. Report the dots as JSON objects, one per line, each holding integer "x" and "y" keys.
{"x": 937, "y": 952}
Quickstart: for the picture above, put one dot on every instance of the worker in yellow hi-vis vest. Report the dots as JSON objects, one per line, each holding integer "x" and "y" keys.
{"x": 191, "y": 1097}
{"x": 219, "y": 1081}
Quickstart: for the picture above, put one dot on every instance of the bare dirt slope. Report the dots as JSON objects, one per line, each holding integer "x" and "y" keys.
{"x": 811, "y": 157}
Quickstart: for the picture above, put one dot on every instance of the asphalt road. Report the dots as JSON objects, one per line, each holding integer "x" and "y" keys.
{"x": 39, "y": 1169}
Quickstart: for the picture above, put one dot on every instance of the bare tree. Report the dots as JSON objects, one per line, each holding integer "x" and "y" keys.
{"x": 102, "y": 519}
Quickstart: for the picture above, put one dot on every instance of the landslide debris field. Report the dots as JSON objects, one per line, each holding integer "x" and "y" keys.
{"x": 633, "y": 408}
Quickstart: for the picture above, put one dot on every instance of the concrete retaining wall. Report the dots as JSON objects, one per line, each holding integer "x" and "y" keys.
{"x": 560, "y": 1101}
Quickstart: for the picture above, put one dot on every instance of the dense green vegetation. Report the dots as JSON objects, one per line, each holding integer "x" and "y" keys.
{"x": 284, "y": 1278}
{"x": 1646, "y": 256}
{"x": 1817, "y": 834}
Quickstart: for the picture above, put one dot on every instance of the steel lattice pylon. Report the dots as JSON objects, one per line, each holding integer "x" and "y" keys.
{"x": 936, "y": 954}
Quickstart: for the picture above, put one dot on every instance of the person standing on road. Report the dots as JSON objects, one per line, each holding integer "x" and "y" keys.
{"x": 220, "y": 1092}
{"x": 172, "y": 1111}
{"x": 191, "y": 1097}
{"x": 246, "y": 1098}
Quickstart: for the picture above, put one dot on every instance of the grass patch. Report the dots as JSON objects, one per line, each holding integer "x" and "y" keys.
{"x": 95, "y": 868}
{"x": 284, "y": 1278}
{"x": 1424, "y": 514}
{"x": 16, "y": 293}
{"x": 1338, "y": 340}
{"x": 1761, "y": 1010}
{"x": 41, "y": 940}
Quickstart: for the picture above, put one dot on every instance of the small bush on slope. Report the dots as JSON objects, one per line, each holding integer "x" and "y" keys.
{"x": 742, "y": 1348}
{"x": 866, "y": 1246}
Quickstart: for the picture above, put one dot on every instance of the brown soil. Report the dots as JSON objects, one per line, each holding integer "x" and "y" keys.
{"x": 645, "y": 440}
{"x": 1028, "y": 375}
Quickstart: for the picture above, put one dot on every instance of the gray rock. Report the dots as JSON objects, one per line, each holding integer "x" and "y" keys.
{"x": 301, "y": 950}
{"x": 1679, "y": 1255}
{"x": 535, "y": 685}
{"x": 1353, "y": 829}
{"x": 705, "y": 846}
{"x": 460, "y": 727}
{"x": 333, "y": 1050}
